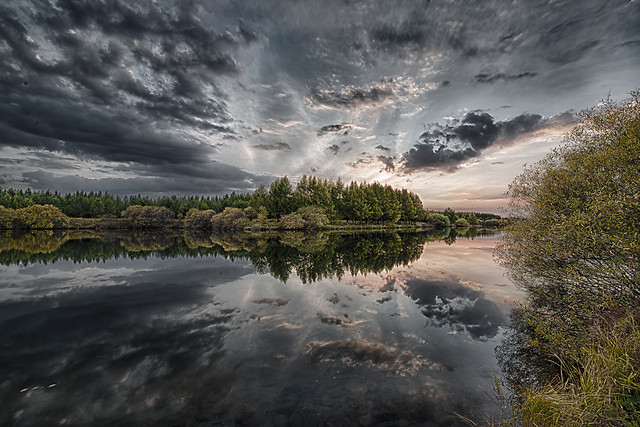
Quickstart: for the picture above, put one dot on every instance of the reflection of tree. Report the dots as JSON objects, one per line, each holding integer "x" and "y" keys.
{"x": 311, "y": 256}
{"x": 147, "y": 241}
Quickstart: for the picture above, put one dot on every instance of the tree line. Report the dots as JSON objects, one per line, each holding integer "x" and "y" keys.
{"x": 98, "y": 204}
{"x": 358, "y": 202}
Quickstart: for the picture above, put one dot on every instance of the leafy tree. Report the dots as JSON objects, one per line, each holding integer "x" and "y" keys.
{"x": 281, "y": 200}
{"x": 451, "y": 214}
{"x": 579, "y": 211}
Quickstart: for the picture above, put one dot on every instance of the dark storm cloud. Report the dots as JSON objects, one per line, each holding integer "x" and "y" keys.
{"x": 447, "y": 301}
{"x": 214, "y": 179}
{"x": 115, "y": 81}
{"x": 446, "y": 147}
{"x": 492, "y": 78}
{"x": 272, "y": 146}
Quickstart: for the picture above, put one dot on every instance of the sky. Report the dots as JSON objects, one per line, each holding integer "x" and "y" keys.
{"x": 447, "y": 98}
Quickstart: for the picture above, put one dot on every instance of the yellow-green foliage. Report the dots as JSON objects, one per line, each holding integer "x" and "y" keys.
{"x": 147, "y": 216}
{"x": 33, "y": 217}
{"x": 292, "y": 221}
{"x": 196, "y": 218}
{"x": 599, "y": 386}
{"x": 36, "y": 241}
{"x": 575, "y": 249}
{"x": 229, "y": 219}
{"x": 580, "y": 212}
{"x": 462, "y": 223}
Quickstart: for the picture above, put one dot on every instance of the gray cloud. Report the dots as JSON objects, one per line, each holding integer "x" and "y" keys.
{"x": 272, "y": 146}
{"x": 338, "y": 129}
{"x": 447, "y": 301}
{"x": 382, "y": 147}
{"x": 492, "y": 78}
{"x": 213, "y": 180}
{"x": 446, "y": 147}
{"x": 387, "y": 161}
{"x": 350, "y": 97}
{"x": 114, "y": 81}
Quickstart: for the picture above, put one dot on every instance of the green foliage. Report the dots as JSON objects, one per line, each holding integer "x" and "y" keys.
{"x": 33, "y": 217}
{"x": 96, "y": 205}
{"x": 196, "y": 218}
{"x": 438, "y": 220}
{"x": 575, "y": 250}
{"x": 292, "y": 221}
{"x": 470, "y": 217}
{"x": 462, "y": 223}
{"x": 580, "y": 214}
{"x": 281, "y": 200}
{"x": 314, "y": 217}
{"x": 451, "y": 214}
{"x": 229, "y": 219}
{"x": 147, "y": 216}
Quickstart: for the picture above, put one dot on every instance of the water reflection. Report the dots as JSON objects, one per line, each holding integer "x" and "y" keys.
{"x": 184, "y": 329}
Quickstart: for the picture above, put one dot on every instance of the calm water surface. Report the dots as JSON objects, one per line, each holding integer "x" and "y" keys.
{"x": 210, "y": 330}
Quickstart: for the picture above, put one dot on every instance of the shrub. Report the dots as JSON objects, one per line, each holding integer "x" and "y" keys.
{"x": 147, "y": 216}
{"x": 229, "y": 219}
{"x": 462, "y": 223}
{"x": 292, "y": 221}
{"x": 438, "y": 220}
{"x": 197, "y": 218}
{"x": 33, "y": 217}
{"x": 314, "y": 217}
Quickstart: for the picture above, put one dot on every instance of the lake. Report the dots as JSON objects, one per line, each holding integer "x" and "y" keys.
{"x": 288, "y": 329}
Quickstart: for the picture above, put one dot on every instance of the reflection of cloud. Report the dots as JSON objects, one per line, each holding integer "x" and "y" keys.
{"x": 141, "y": 345}
{"x": 446, "y": 300}
{"x": 358, "y": 352}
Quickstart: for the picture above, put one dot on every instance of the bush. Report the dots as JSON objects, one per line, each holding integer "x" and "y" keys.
{"x": 229, "y": 219}
{"x": 462, "y": 223}
{"x": 438, "y": 220}
{"x": 292, "y": 221}
{"x": 147, "y": 216}
{"x": 314, "y": 217}
{"x": 196, "y": 218}
{"x": 33, "y": 217}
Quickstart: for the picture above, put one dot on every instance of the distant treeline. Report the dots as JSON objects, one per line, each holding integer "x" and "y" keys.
{"x": 97, "y": 205}
{"x": 312, "y": 200}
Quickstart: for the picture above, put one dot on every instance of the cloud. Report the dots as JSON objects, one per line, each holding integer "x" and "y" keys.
{"x": 114, "y": 81}
{"x": 351, "y": 97}
{"x": 339, "y": 129}
{"x": 446, "y": 300}
{"x": 335, "y": 148}
{"x": 387, "y": 161}
{"x": 382, "y": 147}
{"x": 216, "y": 179}
{"x": 272, "y": 146}
{"x": 492, "y": 78}
{"x": 445, "y": 147}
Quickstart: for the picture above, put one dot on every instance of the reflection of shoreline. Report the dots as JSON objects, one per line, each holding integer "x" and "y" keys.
{"x": 312, "y": 255}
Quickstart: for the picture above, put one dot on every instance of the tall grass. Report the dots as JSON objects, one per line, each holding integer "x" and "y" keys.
{"x": 599, "y": 385}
